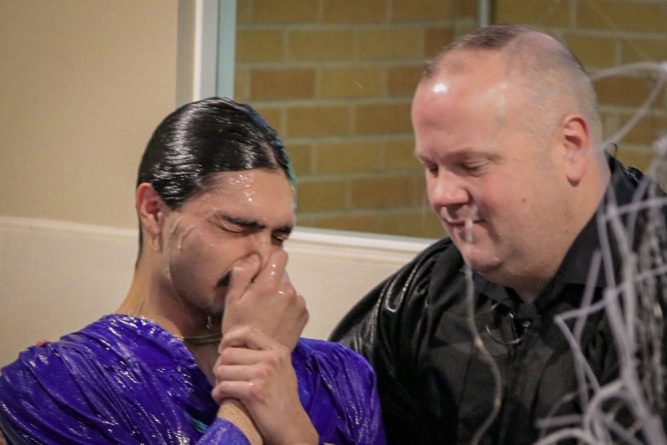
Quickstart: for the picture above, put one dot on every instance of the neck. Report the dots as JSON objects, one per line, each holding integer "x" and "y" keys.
{"x": 581, "y": 208}
{"x": 527, "y": 287}
{"x": 148, "y": 299}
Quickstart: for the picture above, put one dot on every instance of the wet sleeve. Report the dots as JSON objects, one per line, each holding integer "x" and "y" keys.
{"x": 50, "y": 395}
{"x": 363, "y": 385}
{"x": 53, "y": 409}
{"x": 383, "y": 327}
{"x": 351, "y": 382}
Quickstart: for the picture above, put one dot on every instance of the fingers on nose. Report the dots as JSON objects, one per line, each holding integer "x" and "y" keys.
{"x": 265, "y": 247}
{"x": 272, "y": 272}
{"x": 277, "y": 262}
{"x": 242, "y": 275}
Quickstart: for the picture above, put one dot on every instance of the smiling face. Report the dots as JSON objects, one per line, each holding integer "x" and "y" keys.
{"x": 238, "y": 214}
{"x": 499, "y": 191}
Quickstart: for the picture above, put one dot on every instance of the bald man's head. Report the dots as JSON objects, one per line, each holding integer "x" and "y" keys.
{"x": 549, "y": 80}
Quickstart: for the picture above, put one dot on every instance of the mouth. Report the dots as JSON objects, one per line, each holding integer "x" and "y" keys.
{"x": 461, "y": 223}
{"x": 224, "y": 281}
{"x": 462, "y": 229}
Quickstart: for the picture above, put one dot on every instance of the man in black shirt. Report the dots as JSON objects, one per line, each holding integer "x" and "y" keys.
{"x": 540, "y": 316}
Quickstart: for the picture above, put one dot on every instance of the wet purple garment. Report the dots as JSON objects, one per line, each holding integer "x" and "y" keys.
{"x": 125, "y": 380}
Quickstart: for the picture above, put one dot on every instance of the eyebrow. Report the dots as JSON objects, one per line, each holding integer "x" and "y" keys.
{"x": 461, "y": 153}
{"x": 251, "y": 224}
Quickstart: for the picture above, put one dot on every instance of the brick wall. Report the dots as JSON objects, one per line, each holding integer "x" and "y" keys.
{"x": 336, "y": 77}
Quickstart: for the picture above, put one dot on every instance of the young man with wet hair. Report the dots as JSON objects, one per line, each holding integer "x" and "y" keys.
{"x": 465, "y": 339}
{"x": 205, "y": 347}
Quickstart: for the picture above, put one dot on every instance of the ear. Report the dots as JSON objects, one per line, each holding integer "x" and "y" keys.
{"x": 576, "y": 146}
{"x": 150, "y": 210}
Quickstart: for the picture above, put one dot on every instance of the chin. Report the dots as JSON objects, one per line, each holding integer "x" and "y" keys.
{"x": 479, "y": 259}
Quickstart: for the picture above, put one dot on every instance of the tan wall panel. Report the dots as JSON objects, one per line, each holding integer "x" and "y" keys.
{"x": 84, "y": 82}
{"x": 94, "y": 268}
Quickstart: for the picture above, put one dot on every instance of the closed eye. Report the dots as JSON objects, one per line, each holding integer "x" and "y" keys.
{"x": 281, "y": 234}
{"x": 232, "y": 228}
{"x": 472, "y": 168}
{"x": 279, "y": 239}
{"x": 233, "y": 224}
{"x": 431, "y": 168}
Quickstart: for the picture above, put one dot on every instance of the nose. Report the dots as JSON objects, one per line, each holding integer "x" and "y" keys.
{"x": 262, "y": 245}
{"x": 446, "y": 190}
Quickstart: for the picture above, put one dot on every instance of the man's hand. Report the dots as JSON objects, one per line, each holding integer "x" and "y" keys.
{"x": 257, "y": 370}
{"x": 265, "y": 298}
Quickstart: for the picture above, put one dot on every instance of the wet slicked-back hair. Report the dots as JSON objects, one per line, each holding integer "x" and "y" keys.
{"x": 207, "y": 137}
{"x": 550, "y": 74}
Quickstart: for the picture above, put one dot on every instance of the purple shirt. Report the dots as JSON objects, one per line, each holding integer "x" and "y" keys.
{"x": 127, "y": 380}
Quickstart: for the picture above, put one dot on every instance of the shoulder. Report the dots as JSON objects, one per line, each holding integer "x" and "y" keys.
{"x": 433, "y": 253}
{"x": 411, "y": 284}
{"x": 58, "y": 367}
{"x": 441, "y": 254}
{"x": 49, "y": 359}
{"x": 403, "y": 294}
{"x": 97, "y": 345}
{"x": 100, "y": 373}
{"x": 113, "y": 345}
{"x": 44, "y": 382}
{"x": 626, "y": 181}
{"x": 77, "y": 361}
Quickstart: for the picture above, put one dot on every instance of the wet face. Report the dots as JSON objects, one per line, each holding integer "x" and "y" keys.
{"x": 239, "y": 214}
{"x": 496, "y": 190}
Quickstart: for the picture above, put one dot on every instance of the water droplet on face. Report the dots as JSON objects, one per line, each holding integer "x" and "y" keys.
{"x": 273, "y": 273}
{"x": 245, "y": 182}
{"x": 468, "y": 224}
{"x": 184, "y": 234}
{"x": 440, "y": 87}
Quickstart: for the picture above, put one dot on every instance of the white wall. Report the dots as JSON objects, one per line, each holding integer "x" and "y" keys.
{"x": 55, "y": 277}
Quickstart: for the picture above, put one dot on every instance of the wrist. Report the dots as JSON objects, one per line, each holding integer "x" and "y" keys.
{"x": 303, "y": 433}
{"x": 233, "y": 411}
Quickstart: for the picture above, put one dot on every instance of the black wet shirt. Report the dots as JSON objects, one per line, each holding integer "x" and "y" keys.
{"x": 437, "y": 386}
